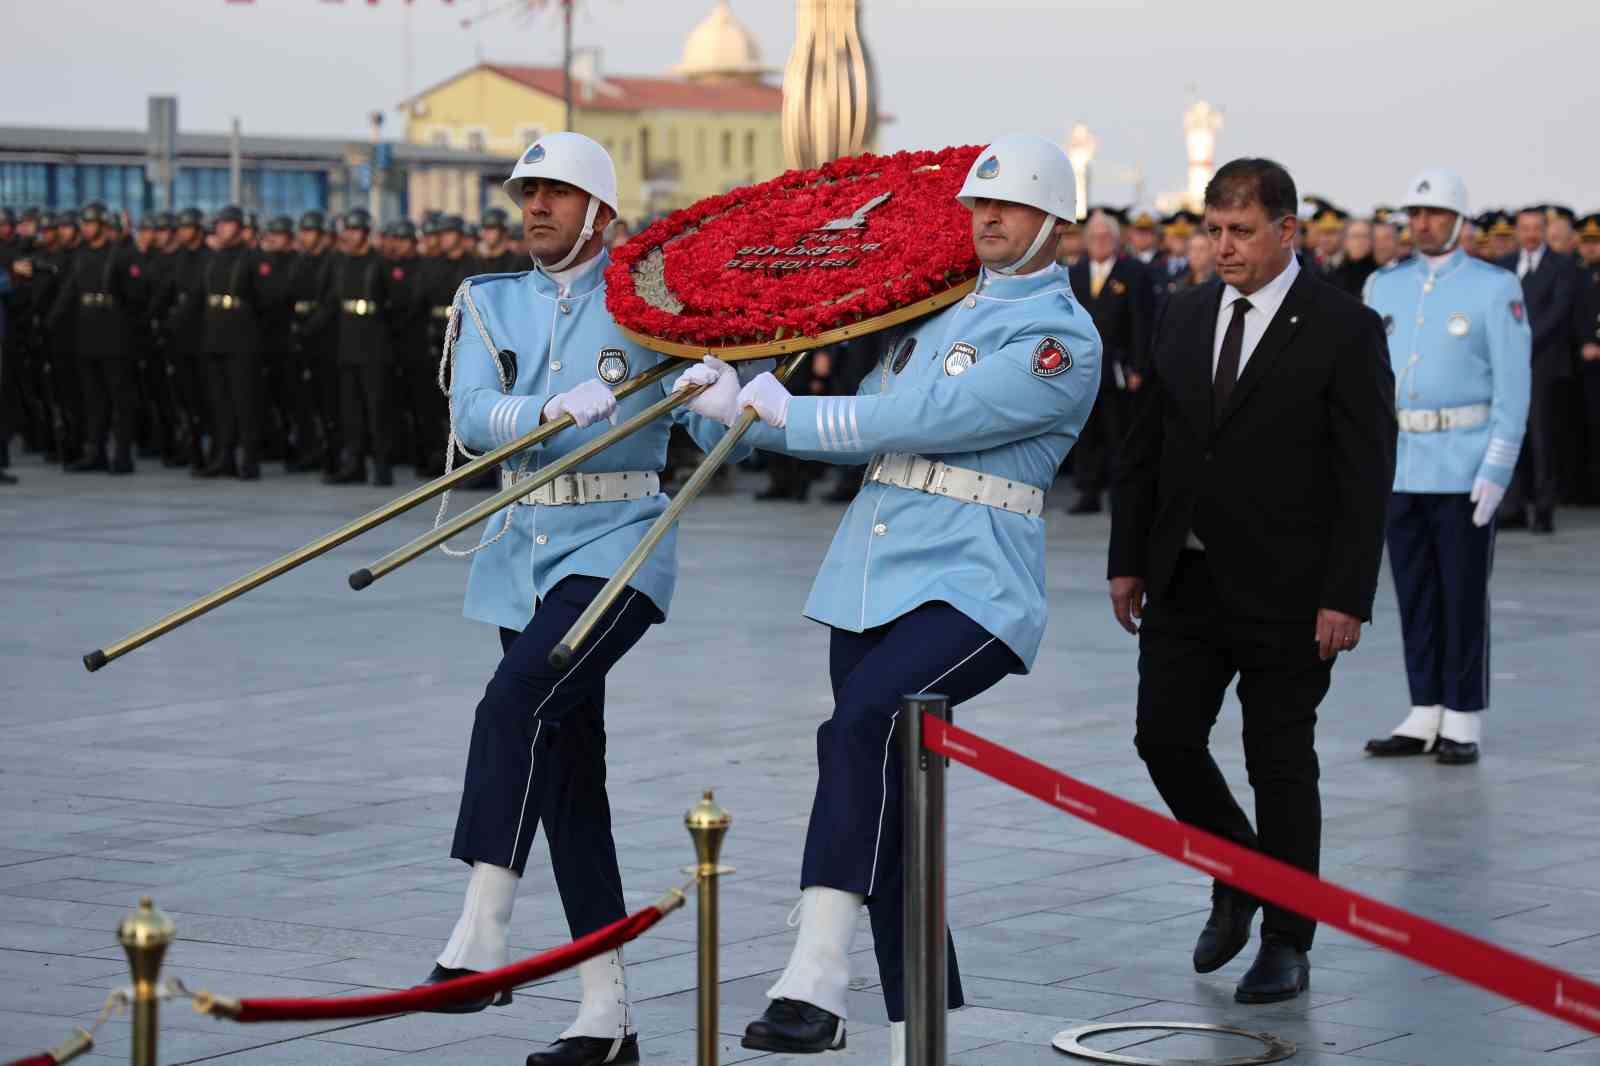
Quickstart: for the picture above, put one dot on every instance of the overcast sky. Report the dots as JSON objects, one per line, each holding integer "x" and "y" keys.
{"x": 1352, "y": 95}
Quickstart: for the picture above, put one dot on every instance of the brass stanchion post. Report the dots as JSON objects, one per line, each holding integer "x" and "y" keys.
{"x": 145, "y": 935}
{"x": 708, "y": 824}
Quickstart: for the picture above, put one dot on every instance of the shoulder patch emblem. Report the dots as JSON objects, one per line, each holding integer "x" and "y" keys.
{"x": 1516, "y": 310}
{"x": 1051, "y": 358}
{"x": 612, "y": 365}
{"x": 508, "y": 364}
{"x": 960, "y": 358}
{"x": 902, "y": 354}
{"x": 989, "y": 168}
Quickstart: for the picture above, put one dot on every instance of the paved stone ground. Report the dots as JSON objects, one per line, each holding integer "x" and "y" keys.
{"x": 282, "y": 776}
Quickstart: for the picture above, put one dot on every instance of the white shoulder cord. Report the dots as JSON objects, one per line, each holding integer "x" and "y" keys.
{"x": 446, "y": 376}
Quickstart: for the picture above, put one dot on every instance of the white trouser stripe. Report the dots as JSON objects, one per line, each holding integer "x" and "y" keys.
{"x": 516, "y": 838}
{"x": 883, "y": 804}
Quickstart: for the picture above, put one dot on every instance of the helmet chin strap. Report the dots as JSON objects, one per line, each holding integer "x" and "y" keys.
{"x": 578, "y": 245}
{"x": 1033, "y": 249}
{"x": 1455, "y": 233}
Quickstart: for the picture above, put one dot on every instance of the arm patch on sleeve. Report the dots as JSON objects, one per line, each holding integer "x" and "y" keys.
{"x": 1051, "y": 358}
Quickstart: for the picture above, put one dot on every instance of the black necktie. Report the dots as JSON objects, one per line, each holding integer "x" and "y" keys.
{"x": 1228, "y": 361}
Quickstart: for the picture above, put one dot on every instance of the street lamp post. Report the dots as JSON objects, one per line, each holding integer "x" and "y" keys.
{"x": 1081, "y": 145}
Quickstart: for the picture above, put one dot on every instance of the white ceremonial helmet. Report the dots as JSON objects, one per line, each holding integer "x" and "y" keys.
{"x": 1441, "y": 189}
{"x": 578, "y": 161}
{"x": 1024, "y": 169}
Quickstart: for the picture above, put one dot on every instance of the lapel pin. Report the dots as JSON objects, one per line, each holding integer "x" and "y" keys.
{"x": 1293, "y": 319}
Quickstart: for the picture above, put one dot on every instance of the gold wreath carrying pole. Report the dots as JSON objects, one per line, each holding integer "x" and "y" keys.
{"x": 360, "y": 579}
{"x": 561, "y": 654}
{"x": 371, "y": 520}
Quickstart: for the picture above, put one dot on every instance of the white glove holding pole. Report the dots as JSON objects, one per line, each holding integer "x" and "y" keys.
{"x": 587, "y": 403}
{"x": 1487, "y": 495}
{"x": 768, "y": 398}
{"x": 720, "y": 402}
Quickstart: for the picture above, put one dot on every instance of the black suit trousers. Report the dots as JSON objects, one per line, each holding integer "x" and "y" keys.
{"x": 1190, "y": 650}
{"x": 1095, "y": 455}
{"x": 1535, "y": 480}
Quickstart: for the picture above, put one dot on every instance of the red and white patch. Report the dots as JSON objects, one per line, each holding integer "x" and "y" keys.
{"x": 265, "y": 270}
{"x": 1051, "y": 358}
{"x": 1517, "y": 311}
{"x": 398, "y": 274}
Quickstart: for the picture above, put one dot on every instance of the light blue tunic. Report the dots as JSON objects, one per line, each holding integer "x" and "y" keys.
{"x": 559, "y": 342}
{"x": 1013, "y": 413}
{"x": 1458, "y": 336}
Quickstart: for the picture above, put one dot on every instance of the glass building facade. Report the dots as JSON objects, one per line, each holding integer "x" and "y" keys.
{"x": 122, "y": 187}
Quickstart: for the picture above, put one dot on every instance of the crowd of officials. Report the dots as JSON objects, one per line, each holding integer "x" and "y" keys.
{"x": 221, "y": 343}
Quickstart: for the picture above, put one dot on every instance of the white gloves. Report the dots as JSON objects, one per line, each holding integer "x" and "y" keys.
{"x": 587, "y": 403}
{"x": 721, "y": 401}
{"x": 767, "y": 396}
{"x": 1487, "y": 495}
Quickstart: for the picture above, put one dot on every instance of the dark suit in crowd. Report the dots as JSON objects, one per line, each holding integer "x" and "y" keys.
{"x": 1122, "y": 310}
{"x": 1547, "y": 293}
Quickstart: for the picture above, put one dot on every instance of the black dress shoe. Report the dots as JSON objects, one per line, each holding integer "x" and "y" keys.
{"x": 1281, "y": 971}
{"x": 471, "y": 1006}
{"x": 383, "y": 475}
{"x": 122, "y": 464}
{"x": 86, "y": 464}
{"x": 1456, "y": 753}
{"x": 250, "y": 472}
{"x": 588, "y": 1051}
{"x": 773, "y": 492}
{"x": 347, "y": 475}
{"x": 1387, "y": 746}
{"x": 1512, "y": 520}
{"x": 1544, "y": 521}
{"x": 1227, "y": 931}
{"x": 795, "y": 1027}
{"x": 7, "y": 479}
{"x": 1085, "y": 505}
{"x": 218, "y": 468}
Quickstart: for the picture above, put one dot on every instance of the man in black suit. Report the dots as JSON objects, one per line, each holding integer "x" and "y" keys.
{"x": 1246, "y": 532}
{"x": 1118, "y": 294}
{"x": 1549, "y": 285}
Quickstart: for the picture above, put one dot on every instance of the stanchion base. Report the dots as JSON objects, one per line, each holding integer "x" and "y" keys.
{"x": 1069, "y": 1041}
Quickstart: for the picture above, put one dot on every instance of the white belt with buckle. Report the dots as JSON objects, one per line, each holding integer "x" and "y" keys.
{"x": 968, "y": 486}
{"x": 1413, "y": 420}
{"x": 586, "y": 488}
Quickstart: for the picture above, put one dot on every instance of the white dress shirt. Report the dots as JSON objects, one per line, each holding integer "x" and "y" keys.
{"x": 1530, "y": 261}
{"x": 1264, "y": 304}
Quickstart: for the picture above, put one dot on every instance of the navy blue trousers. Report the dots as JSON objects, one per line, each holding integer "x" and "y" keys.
{"x": 538, "y": 753}
{"x": 853, "y": 840}
{"x": 1441, "y": 564}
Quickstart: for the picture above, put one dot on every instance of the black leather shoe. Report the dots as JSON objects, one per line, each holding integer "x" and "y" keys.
{"x": 1085, "y": 505}
{"x": 795, "y": 1027}
{"x": 1544, "y": 521}
{"x": 588, "y": 1051}
{"x": 1389, "y": 746}
{"x": 1281, "y": 971}
{"x": 1455, "y": 753}
{"x": 383, "y": 475}
{"x": 1227, "y": 931}
{"x": 471, "y": 1006}
{"x": 1512, "y": 520}
{"x": 122, "y": 464}
{"x": 89, "y": 462}
{"x": 773, "y": 492}
{"x": 347, "y": 475}
{"x": 7, "y": 479}
{"x": 222, "y": 467}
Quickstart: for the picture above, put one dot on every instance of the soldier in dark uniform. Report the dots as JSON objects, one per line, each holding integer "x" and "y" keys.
{"x": 438, "y": 279}
{"x": 62, "y": 365}
{"x": 407, "y": 319}
{"x": 235, "y": 292}
{"x": 184, "y": 315}
{"x": 496, "y": 256}
{"x": 277, "y": 342}
{"x": 157, "y": 264}
{"x": 1586, "y": 328}
{"x": 10, "y": 405}
{"x": 28, "y": 351}
{"x": 355, "y": 297}
{"x": 100, "y": 301}
{"x": 1117, "y": 293}
{"x": 315, "y": 369}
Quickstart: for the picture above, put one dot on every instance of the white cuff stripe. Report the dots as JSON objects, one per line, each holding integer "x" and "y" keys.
{"x": 513, "y": 413}
{"x": 822, "y": 427}
{"x": 494, "y": 421}
{"x": 855, "y": 430}
{"x": 1502, "y": 452}
{"x": 835, "y": 427}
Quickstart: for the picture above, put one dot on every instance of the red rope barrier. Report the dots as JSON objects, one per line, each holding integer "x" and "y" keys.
{"x": 44, "y": 1058}
{"x": 444, "y": 993}
{"x": 1563, "y": 995}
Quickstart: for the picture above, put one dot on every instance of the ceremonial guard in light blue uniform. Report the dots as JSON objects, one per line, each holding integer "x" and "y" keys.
{"x": 522, "y": 349}
{"x": 1460, "y": 345}
{"x": 935, "y": 579}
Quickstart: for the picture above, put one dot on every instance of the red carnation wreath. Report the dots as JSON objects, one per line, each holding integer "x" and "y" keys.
{"x": 808, "y": 258}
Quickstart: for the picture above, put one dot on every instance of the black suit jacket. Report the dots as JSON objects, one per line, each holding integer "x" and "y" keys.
{"x": 1122, "y": 314}
{"x": 1548, "y": 293}
{"x": 1288, "y": 485}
